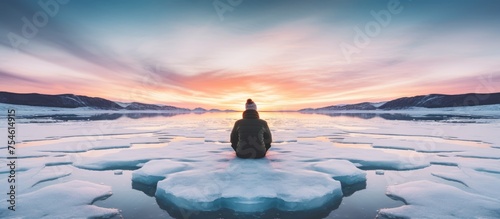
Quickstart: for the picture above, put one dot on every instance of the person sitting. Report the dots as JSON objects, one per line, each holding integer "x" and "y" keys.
{"x": 251, "y": 137}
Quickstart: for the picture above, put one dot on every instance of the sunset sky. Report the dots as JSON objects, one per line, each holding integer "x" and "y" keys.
{"x": 283, "y": 54}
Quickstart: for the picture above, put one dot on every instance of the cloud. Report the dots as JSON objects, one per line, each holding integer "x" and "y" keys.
{"x": 9, "y": 78}
{"x": 283, "y": 58}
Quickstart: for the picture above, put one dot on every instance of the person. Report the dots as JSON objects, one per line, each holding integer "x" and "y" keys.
{"x": 251, "y": 137}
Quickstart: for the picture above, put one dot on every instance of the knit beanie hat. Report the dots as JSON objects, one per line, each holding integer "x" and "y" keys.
{"x": 250, "y": 105}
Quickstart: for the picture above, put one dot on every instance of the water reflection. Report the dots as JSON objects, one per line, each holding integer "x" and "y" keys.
{"x": 149, "y": 190}
{"x": 177, "y": 212}
{"x": 348, "y": 190}
{"x": 97, "y": 117}
{"x": 407, "y": 117}
{"x": 365, "y": 116}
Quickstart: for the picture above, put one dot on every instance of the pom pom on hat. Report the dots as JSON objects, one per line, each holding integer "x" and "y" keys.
{"x": 250, "y": 105}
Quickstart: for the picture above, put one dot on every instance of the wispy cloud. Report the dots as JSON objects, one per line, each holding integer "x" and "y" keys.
{"x": 284, "y": 59}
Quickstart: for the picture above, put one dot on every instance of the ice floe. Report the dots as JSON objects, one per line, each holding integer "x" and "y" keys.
{"x": 214, "y": 178}
{"x": 486, "y": 184}
{"x": 73, "y": 199}
{"x": 426, "y": 199}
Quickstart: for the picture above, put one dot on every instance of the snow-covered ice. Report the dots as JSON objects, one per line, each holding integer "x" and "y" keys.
{"x": 341, "y": 170}
{"x": 72, "y": 199}
{"x": 486, "y": 184}
{"x": 426, "y": 199}
{"x": 249, "y": 186}
{"x": 156, "y": 170}
{"x": 221, "y": 180}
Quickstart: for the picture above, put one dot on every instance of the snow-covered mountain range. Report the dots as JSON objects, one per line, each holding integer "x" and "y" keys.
{"x": 421, "y": 101}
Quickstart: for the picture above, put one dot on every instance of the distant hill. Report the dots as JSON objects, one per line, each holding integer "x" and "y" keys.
{"x": 358, "y": 106}
{"x": 426, "y": 101}
{"x": 441, "y": 100}
{"x": 144, "y": 106}
{"x": 75, "y": 101}
{"x": 62, "y": 100}
{"x": 199, "y": 109}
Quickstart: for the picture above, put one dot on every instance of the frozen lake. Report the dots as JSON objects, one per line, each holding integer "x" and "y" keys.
{"x": 149, "y": 165}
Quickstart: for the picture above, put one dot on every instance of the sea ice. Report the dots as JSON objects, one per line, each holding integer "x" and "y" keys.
{"x": 486, "y": 184}
{"x": 376, "y": 159}
{"x": 28, "y": 179}
{"x": 156, "y": 170}
{"x": 426, "y": 199}
{"x": 94, "y": 143}
{"x": 486, "y": 153}
{"x": 423, "y": 144}
{"x": 478, "y": 164}
{"x": 133, "y": 158}
{"x": 72, "y": 199}
{"x": 214, "y": 178}
{"x": 248, "y": 186}
{"x": 341, "y": 170}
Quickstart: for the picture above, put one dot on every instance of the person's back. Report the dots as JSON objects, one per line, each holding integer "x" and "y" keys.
{"x": 251, "y": 137}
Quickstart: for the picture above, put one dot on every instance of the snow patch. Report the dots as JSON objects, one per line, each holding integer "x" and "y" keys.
{"x": 486, "y": 184}
{"x": 72, "y": 199}
{"x": 426, "y": 199}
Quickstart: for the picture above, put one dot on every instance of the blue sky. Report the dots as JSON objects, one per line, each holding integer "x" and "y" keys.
{"x": 283, "y": 54}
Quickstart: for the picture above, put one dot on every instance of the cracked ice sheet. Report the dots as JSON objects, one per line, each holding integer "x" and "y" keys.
{"x": 132, "y": 158}
{"x": 363, "y": 158}
{"x": 25, "y": 164}
{"x": 428, "y": 146}
{"x": 197, "y": 150}
{"x": 486, "y": 153}
{"x": 277, "y": 181}
{"x": 426, "y": 199}
{"x": 481, "y": 132}
{"x": 478, "y": 164}
{"x": 250, "y": 187}
{"x": 54, "y": 149}
{"x": 61, "y": 130}
{"x": 26, "y": 181}
{"x": 280, "y": 176}
{"x": 486, "y": 184}
{"x": 66, "y": 200}
{"x": 95, "y": 143}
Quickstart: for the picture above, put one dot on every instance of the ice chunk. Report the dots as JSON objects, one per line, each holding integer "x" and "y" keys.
{"x": 66, "y": 200}
{"x": 284, "y": 179}
{"x": 27, "y": 180}
{"x": 133, "y": 158}
{"x": 34, "y": 163}
{"x": 156, "y": 170}
{"x": 376, "y": 159}
{"x": 341, "y": 170}
{"x": 426, "y": 199}
{"x": 486, "y": 153}
{"x": 83, "y": 144}
{"x": 310, "y": 151}
{"x": 479, "y": 164}
{"x": 427, "y": 144}
{"x": 486, "y": 184}
{"x": 248, "y": 186}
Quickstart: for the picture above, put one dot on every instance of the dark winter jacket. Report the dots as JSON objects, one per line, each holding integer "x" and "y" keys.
{"x": 251, "y": 137}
